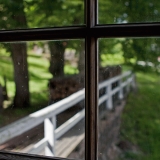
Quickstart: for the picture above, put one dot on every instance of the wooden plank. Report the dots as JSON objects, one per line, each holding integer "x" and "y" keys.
{"x": 121, "y": 85}
{"x": 114, "y": 79}
{"x": 69, "y": 124}
{"x": 64, "y": 146}
{"x": 109, "y": 102}
{"x": 67, "y": 142}
{"x": 49, "y": 136}
{"x": 70, "y": 140}
{"x": 37, "y": 148}
{"x": 69, "y": 147}
{"x": 21, "y": 126}
{"x": 115, "y": 90}
{"x": 103, "y": 99}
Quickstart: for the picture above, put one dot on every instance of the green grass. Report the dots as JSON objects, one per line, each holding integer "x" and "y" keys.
{"x": 38, "y": 73}
{"x": 112, "y": 59}
{"x": 141, "y": 116}
{"x": 38, "y": 84}
{"x": 68, "y": 69}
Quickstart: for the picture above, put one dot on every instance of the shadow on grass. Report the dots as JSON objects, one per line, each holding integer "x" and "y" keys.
{"x": 11, "y": 114}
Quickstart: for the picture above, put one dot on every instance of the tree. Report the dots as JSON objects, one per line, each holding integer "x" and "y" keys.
{"x": 13, "y": 17}
{"x": 145, "y": 50}
{"x": 81, "y": 63}
{"x": 51, "y": 14}
{"x": 131, "y": 11}
{"x": 57, "y": 49}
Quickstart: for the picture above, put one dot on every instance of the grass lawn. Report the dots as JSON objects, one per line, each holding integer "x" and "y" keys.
{"x": 141, "y": 118}
{"x": 38, "y": 84}
{"x": 39, "y": 76}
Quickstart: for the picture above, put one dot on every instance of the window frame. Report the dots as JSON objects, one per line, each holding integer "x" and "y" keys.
{"x": 91, "y": 31}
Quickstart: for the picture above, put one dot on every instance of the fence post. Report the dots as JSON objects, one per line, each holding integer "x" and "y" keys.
{"x": 1, "y": 98}
{"x": 120, "y": 89}
{"x": 49, "y": 133}
{"x": 128, "y": 85}
{"x": 109, "y": 101}
{"x": 133, "y": 83}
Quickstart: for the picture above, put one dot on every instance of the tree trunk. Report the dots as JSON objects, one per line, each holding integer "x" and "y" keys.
{"x": 57, "y": 49}
{"x": 81, "y": 62}
{"x": 19, "y": 57}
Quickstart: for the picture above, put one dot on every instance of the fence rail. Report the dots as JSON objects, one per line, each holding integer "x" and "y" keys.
{"x": 48, "y": 114}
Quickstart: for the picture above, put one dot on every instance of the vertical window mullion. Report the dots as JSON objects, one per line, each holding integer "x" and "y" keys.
{"x": 91, "y": 100}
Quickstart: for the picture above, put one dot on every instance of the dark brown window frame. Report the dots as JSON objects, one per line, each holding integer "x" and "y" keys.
{"x": 90, "y": 32}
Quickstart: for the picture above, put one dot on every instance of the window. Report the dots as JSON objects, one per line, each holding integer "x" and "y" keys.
{"x": 91, "y": 32}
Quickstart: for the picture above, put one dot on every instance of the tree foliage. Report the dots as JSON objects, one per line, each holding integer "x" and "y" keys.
{"x": 52, "y": 14}
{"x": 131, "y": 11}
{"x": 21, "y": 14}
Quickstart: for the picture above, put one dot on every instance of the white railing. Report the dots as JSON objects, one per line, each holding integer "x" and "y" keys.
{"x": 48, "y": 115}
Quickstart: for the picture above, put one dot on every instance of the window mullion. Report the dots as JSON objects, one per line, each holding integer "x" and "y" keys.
{"x": 91, "y": 100}
{"x": 43, "y": 34}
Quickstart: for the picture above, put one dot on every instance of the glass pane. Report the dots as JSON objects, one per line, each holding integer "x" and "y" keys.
{"x": 129, "y": 98}
{"x": 128, "y": 11}
{"x": 19, "y": 14}
{"x": 42, "y": 98}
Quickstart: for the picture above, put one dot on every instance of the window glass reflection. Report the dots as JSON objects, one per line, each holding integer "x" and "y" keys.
{"x": 42, "y": 98}
{"x": 129, "y": 98}
{"x": 128, "y": 11}
{"x": 19, "y": 14}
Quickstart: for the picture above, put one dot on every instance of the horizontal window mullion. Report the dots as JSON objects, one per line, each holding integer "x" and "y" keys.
{"x": 126, "y": 30}
{"x": 43, "y": 34}
{"x": 98, "y": 31}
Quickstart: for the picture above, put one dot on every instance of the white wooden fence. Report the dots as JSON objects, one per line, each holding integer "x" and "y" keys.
{"x": 48, "y": 115}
